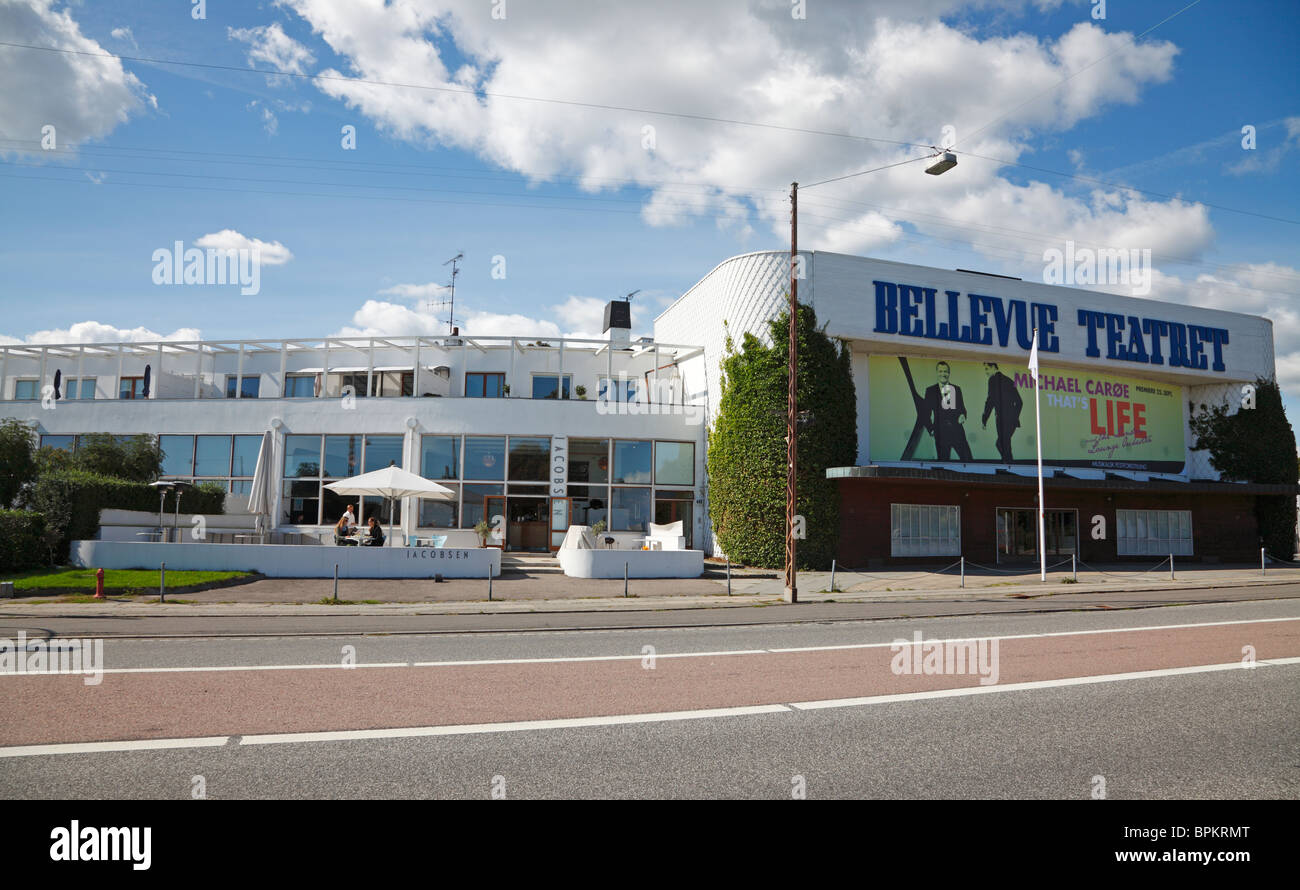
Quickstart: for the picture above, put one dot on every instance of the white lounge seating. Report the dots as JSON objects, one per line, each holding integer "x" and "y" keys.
{"x": 669, "y": 537}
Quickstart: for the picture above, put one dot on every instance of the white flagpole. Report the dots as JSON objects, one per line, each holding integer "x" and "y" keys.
{"x": 1038, "y": 436}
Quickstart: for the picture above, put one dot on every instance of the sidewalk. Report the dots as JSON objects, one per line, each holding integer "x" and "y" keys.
{"x": 544, "y": 592}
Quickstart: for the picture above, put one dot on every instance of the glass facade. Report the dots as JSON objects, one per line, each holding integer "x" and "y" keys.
{"x": 924, "y": 530}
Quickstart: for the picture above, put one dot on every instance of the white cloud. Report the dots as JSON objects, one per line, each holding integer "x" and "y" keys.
{"x": 577, "y": 317}
{"x": 897, "y": 72}
{"x": 124, "y": 34}
{"x": 83, "y": 97}
{"x": 271, "y": 45}
{"x": 273, "y": 253}
{"x": 96, "y": 332}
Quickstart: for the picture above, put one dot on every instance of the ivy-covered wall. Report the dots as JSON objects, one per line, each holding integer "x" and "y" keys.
{"x": 747, "y": 449}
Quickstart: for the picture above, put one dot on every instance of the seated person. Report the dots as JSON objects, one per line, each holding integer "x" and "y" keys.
{"x": 341, "y": 531}
{"x": 374, "y": 536}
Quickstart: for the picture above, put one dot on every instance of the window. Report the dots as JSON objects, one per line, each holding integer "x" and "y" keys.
{"x": 342, "y": 456}
{"x": 249, "y": 389}
{"x": 590, "y": 504}
{"x": 485, "y": 457}
{"x": 66, "y": 443}
{"x": 357, "y": 382}
{"x": 383, "y": 451}
{"x": 1154, "y": 532}
{"x": 529, "y": 459}
{"x": 551, "y": 386}
{"x": 617, "y": 389}
{"x": 301, "y": 456}
{"x": 632, "y": 462}
{"x": 178, "y": 455}
{"x": 472, "y": 510}
{"x": 629, "y": 509}
{"x": 440, "y": 457}
{"x": 212, "y": 456}
{"x": 674, "y": 463}
{"x": 25, "y": 390}
{"x": 922, "y": 530}
{"x": 244, "y": 460}
{"x": 588, "y": 461}
{"x": 130, "y": 388}
{"x": 484, "y": 385}
{"x": 299, "y": 386}
{"x": 441, "y": 512}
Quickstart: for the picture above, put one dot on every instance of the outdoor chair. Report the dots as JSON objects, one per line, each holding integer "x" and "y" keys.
{"x": 668, "y": 536}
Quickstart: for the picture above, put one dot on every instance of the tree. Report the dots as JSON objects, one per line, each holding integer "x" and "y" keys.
{"x": 17, "y": 458}
{"x": 747, "y": 448}
{"x": 1255, "y": 445}
{"x": 137, "y": 458}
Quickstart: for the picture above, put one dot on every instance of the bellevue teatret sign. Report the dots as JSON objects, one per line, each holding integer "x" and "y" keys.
{"x": 913, "y": 311}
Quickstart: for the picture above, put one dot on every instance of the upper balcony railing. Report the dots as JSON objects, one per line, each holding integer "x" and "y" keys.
{"x": 331, "y": 367}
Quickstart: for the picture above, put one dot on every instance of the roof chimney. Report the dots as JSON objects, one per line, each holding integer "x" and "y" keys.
{"x": 618, "y": 322}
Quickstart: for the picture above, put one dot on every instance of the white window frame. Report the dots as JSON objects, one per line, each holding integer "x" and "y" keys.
{"x": 1134, "y": 533}
{"x": 932, "y": 530}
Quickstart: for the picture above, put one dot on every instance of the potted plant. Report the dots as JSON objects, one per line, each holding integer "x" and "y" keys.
{"x": 581, "y": 392}
{"x": 506, "y": 389}
{"x": 598, "y": 528}
{"x": 482, "y": 528}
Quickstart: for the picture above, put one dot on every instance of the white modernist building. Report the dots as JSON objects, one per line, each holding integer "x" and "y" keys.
{"x": 548, "y": 433}
{"x": 541, "y": 432}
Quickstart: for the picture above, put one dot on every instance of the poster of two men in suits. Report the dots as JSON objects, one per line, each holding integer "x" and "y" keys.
{"x": 941, "y": 414}
{"x": 940, "y": 409}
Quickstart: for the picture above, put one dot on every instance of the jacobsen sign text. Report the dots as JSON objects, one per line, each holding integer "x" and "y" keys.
{"x": 913, "y": 311}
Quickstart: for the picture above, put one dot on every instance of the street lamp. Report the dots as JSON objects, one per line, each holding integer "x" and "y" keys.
{"x": 947, "y": 160}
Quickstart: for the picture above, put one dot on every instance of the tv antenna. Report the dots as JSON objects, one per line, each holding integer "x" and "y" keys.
{"x": 629, "y": 297}
{"x": 450, "y": 302}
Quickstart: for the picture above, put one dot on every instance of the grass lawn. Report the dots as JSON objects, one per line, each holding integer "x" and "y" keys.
{"x": 117, "y": 581}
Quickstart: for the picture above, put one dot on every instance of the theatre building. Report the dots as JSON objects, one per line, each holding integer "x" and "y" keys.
{"x": 947, "y": 447}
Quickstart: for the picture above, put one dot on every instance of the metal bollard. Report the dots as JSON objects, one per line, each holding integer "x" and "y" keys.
{"x": 625, "y": 579}
{"x": 963, "y": 571}
{"x": 489, "y": 582}
{"x": 1171, "y": 567}
{"x": 162, "y": 583}
{"x": 832, "y": 576}
{"x": 1074, "y": 567}
{"x": 336, "y": 582}
{"x": 728, "y": 576}
{"x": 1261, "y": 562}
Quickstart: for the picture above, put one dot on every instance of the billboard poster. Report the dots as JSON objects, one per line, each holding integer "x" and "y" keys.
{"x": 928, "y": 409}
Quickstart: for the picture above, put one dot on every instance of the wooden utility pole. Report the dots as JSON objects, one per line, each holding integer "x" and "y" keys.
{"x": 792, "y": 406}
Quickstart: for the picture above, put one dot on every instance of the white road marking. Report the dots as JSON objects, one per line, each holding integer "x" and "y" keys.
{"x": 657, "y": 655}
{"x": 620, "y": 719}
{"x": 105, "y": 747}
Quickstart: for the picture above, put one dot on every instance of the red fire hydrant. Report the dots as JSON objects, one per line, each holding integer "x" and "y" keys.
{"x": 99, "y": 584}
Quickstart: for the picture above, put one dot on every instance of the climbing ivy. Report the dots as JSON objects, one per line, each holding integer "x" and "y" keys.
{"x": 1255, "y": 445}
{"x": 747, "y": 449}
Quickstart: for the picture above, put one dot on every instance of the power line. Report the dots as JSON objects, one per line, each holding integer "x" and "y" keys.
{"x": 463, "y": 91}
{"x": 872, "y": 170}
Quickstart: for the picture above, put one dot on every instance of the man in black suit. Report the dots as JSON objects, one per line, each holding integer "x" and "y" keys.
{"x": 945, "y": 412}
{"x": 1004, "y": 400}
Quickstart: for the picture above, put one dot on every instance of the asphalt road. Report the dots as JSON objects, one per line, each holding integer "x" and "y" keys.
{"x": 1156, "y": 703}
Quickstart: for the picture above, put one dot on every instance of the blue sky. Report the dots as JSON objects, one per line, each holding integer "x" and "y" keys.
{"x": 573, "y": 200}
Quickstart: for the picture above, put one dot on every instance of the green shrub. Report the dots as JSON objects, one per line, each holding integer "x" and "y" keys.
{"x": 747, "y": 449}
{"x": 72, "y": 501}
{"x": 20, "y": 540}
